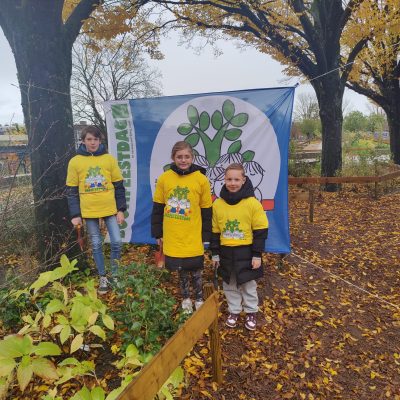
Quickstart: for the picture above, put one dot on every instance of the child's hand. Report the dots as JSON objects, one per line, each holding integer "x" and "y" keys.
{"x": 120, "y": 217}
{"x": 256, "y": 262}
{"x": 160, "y": 241}
{"x": 215, "y": 261}
{"x": 76, "y": 221}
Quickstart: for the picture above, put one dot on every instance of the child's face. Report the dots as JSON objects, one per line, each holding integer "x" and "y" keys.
{"x": 234, "y": 180}
{"x": 91, "y": 142}
{"x": 183, "y": 159}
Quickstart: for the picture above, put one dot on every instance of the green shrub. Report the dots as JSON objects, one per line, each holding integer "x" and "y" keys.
{"x": 146, "y": 313}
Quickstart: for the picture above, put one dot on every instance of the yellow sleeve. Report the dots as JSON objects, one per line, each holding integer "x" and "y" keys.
{"x": 215, "y": 227}
{"x": 159, "y": 192}
{"x": 205, "y": 200}
{"x": 259, "y": 220}
{"x": 72, "y": 174}
{"x": 116, "y": 174}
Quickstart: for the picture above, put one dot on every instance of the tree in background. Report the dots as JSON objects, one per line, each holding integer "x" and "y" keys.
{"x": 306, "y": 36}
{"x": 377, "y": 70}
{"x": 306, "y": 115}
{"x": 115, "y": 69}
{"x": 375, "y": 122}
{"x": 355, "y": 121}
{"x": 306, "y": 107}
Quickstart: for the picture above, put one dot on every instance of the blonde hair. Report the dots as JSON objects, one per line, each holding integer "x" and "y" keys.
{"x": 235, "y": 167}
{"x": 181, "y": 145}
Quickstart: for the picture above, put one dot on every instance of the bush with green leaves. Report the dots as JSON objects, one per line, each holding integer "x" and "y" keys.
{"x": 63, "y": 318}
{"x": 146, "y": 313}
{"x": 19, "y": 353}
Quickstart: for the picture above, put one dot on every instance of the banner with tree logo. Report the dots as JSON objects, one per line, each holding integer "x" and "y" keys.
{"x": 251, "y": 127}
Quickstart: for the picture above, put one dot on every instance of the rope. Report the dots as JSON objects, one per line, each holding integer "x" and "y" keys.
{"x": 359, "y": 288}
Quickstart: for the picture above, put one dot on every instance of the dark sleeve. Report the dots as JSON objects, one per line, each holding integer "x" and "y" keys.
{"x": 215, "y": 243}
{"x": 157, "y": 216}
{"x": 259, "y": 238}
{"x": 74, "y": 204}
{"x": 119, "y": 193}
{"x": 206, "y": 219}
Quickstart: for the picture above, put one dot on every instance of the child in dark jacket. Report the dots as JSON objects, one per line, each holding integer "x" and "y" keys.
{"x": 239, "y": 231}
{"x": 95, "y": 190}
{"x": 181, "y": 220}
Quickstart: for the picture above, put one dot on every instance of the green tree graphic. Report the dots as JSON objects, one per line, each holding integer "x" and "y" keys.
{"x": 180, "y": 193}
{"x": 93, "y": 171}
{"x": 232, "y": 226}
{"x": 226, "y": 123}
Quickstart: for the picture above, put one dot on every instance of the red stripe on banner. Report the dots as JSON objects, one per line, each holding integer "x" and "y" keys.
{"x": 268, "y": 204}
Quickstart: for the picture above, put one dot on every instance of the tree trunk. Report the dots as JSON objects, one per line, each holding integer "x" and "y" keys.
{"x": 330, "y": 94}
{"x": 392, "y": 109}
{"x": 44, "y": 72}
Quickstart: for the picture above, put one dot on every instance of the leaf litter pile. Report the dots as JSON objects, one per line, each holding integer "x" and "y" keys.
{"x": 330, "y": 315}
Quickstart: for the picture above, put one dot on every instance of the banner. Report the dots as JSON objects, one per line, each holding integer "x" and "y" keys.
{"x": 251, "y": 127}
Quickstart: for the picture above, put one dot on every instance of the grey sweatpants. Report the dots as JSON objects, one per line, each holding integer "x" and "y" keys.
{"x": 241, "y": 298}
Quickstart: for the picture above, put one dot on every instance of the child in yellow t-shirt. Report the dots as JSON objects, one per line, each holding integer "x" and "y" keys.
{"x": 95, "y": 190}
{"x": 181, "y": 220}
{"x": 239, "y": 231}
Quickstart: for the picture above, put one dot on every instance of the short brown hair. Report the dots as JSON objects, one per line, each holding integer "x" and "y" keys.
{"x": 93, "y": 130}
{"x": 236, "y": 167}
{"x": 181, "y": 145}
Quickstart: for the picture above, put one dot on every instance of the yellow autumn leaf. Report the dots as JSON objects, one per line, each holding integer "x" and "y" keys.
{"x": 76, "y": 343}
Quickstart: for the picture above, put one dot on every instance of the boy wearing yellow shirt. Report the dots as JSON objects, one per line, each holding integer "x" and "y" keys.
{"x": 95, "y": 190}
{"x": 239, "y": 231}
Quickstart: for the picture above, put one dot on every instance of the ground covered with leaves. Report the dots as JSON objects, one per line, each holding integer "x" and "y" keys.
{"x": 329, "y": 317}
{"x": 328, "y": 321}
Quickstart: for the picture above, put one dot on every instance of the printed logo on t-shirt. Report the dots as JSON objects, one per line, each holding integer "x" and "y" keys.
{"x": 94, "y": 180}
{"x": 232, "y": 230}
{"x": 178, "y": 205}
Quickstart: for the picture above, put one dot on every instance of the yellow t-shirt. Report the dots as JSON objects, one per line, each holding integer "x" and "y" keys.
{"x": 183, "y": 196}
{"x": 94, "y": 176}
{"x": 236, "y": 222}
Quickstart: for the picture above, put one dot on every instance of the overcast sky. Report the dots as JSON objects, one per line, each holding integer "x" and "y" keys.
{"x": 183, "y": 72}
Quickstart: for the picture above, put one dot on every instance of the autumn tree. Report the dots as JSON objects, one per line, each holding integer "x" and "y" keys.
{"x": 377, "y": 70}
{"x": 303, "y": 35}
{"x": 41, "y": 34}
{"x": 115, "y": 69}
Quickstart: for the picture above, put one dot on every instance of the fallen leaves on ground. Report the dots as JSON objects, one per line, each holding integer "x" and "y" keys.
{"x": 329, "y": 317}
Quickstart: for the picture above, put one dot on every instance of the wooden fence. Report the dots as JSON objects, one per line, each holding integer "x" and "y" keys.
{"x": 149, "y": 381}
{"x": 308, "y": 195}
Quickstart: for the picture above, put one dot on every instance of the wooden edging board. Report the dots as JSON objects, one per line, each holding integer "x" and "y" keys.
{"x": 149, "y": 381}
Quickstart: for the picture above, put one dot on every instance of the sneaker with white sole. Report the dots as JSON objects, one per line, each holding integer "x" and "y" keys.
{"x": 187, "y": 306}
{"x": 251, "y": 322}
{"x": 103, "y": 285}
{"x": 232, "y": 319}
{"x": 198, "y": 304}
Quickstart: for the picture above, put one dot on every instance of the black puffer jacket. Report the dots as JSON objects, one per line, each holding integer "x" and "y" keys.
{"x": 237, "y": 259}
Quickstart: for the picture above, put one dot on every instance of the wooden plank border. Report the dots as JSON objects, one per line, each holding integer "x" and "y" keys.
{"x": 151, "y": 378}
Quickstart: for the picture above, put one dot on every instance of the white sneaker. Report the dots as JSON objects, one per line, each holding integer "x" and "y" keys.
{"x": 198, "y": 304}
{"x": 103, "y": 285}
{"x": 187, "y": 306}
